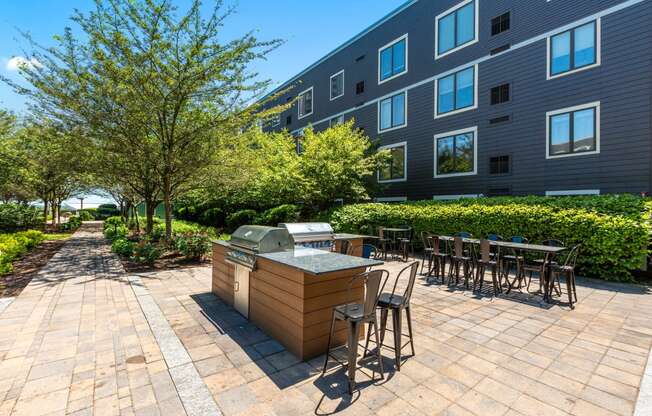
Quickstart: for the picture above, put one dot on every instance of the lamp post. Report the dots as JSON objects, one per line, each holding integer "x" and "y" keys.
{"x": 81, "y": 203}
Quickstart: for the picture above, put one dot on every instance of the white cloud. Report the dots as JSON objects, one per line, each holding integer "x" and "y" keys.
{"x": 15, "y": 63}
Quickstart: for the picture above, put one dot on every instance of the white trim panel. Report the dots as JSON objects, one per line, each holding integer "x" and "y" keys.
{"x": 575, "y": 192}
{"x": 454, "y": 197}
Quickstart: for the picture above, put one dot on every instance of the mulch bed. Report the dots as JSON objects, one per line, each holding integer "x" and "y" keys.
{"x": 27, "y": 267}
{"x": 169, "y": 261}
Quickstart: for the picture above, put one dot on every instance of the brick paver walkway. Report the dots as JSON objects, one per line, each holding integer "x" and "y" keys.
{"x": 83, "y": 338}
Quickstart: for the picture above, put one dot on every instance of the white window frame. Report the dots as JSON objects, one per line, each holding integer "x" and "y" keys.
{"x": 598, "y": 50}
{"x": 276, "y": 121}
{"x": 575, "y": 192}
{"x": 476, "y": 70}
{"x": 330, "y": 85}
{"x": 455, "y": 197}
{"x": 474, "y": 130}
{"x": 405, "y": 109}
{"x": 391, "y": 199}
{"x": 407, "y": 54}
{"x": 549, "y": 114}
{"x": 391, "y": 146}
{"x": 446, "y": 13}
{"x": 340, "y": 120}
{"x": 312, "y": 109}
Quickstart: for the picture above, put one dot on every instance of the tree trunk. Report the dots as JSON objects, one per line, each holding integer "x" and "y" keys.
{"x": 54, "y": 213}
{"x": 150, "y": 206}
{"x": 134, "y": 210}
{"x": 59, "y": 212}
{"x": 168, "y": 210}
{"x": 45, "y": 212}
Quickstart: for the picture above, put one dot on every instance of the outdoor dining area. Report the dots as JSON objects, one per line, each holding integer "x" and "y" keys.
{"x": 458, "y": 261}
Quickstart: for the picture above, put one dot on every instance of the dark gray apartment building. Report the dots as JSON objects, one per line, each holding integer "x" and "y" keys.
{"x": 494, "y": 97}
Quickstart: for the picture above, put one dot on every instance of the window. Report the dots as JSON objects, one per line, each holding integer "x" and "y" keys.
{"x": 392, "y": 59}
{"x": 455, "y": 153}
{"x": 574, "y": 131}
{"x": 456, "y": 28}
{"x": 305, "y": 103}
{"x": 574, "y": 50}
{"x": 500, "y": 94}
{"x": 392, "y": 112}
{"x": 499, "y": 165}
{"x": 336, "y": 121}
{"x": 337, "y": 85}
{"x": 288, "y": 120}
{"x": 395, "y": 169}
{"x": 500, "y": 24}
{"x": 359, "y": 88}
{"x": 274, "y": 122}
{"x": 456, "y": 92}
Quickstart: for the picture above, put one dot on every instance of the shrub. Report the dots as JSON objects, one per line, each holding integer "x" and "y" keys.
{"x": 106, "y": 210}
{"x": 213, "y": 217}
{"x": 146, "y": 252}
{"x": 193, "y": 245}
{"x": 281, "y": 214}
{"x": 15, "y": 217}
{"x": 123, "y": 247}
{"x": 112, "y": 233}
{"x": 85, "y": 215}
{"x": 612, "y": 245}
{"x": 72, "y": 224}
{"x": 15, "y": 245}
{"x": 238, "y": 218}
{"x": 113, "y": 222}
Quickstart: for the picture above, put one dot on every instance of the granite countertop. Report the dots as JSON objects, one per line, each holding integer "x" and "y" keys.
{"x": 317, "y": 261}
{"x": 347, "y": 236}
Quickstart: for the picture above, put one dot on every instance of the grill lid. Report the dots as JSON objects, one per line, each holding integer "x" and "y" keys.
{"x": 309, "y": 231}
{"x": 256, "y": 238}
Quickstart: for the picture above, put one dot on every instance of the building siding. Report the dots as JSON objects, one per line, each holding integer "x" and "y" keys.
{"x": 622, "y": 84}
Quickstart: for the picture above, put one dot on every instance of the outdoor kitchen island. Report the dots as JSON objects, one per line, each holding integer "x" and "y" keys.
{"x": 290, "y": 294}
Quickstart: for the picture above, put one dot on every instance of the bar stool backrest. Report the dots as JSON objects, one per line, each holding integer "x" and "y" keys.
{"x": 374, "y": 283}
{"x": 435, "y": 242}
{"x": 463, "y": 234}
{"x": 553, "y": 243}
{"x": 412, "y": 270}
{"x": 425, "y": 239}
{"x": 485, "y": 250}
{"x": 519, "y": 239}
{"x": 571, "y": 259}
{"x": 408, "y": 233}
{"x": 494, "y": 237}
{"x": 373, "y": 251}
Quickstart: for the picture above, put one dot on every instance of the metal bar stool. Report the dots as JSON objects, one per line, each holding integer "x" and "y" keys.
{"x": 461, "y": 258}
{"x": 355, "y": 315}
{"x": 568, "y": 270}
{"x": 438, "y": 260}
{"x": 398, "y": 303}
{"x": 426, "y": 240}
{"x": 485, "y": 260}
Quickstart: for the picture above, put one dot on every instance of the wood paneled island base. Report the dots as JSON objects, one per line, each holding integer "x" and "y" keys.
{"x": 292, "y": 294}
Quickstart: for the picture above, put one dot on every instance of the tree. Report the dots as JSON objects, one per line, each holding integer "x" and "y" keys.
{"x": 158, "y": 87}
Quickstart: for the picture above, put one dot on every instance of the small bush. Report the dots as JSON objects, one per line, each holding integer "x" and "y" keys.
{"x": 15, "y": 245}
{"x": 116, "y": 232}
{"x": 281, "y": 214}
{"x": 72, "y": 224}
{"x": 239, "y": 218}
{"x": 146, "y": 252}
{"x": 213, "y": 217}
{"x": 15, "y": 217}
{"x": 85, "y": 215}
{"x": 612, "y": 245}
{"x": 113, "y": 222}
{"x": 193, "y": 245}
{"x": 123, "y": 247}
{"x": 105, "y": 211}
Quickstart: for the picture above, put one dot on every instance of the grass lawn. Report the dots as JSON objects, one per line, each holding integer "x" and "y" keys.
{"x": 57, "y": 236}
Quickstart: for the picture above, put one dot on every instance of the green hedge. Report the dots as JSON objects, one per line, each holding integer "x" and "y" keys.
{"x": 613, "y": 245}
{"x": 15, "y": 245}
{"x": 15, "y": 217}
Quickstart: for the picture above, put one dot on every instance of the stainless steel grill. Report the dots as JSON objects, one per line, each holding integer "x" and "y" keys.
{"x": 318, "y": 235}
{"x": 249, "y": 240}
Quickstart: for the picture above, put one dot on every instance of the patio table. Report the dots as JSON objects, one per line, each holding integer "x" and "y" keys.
{"x": 549, "y": 251}
{"x": 395, "y": 232}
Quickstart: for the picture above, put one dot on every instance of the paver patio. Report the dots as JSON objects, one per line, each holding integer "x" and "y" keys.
{"x": 86, "y": 338}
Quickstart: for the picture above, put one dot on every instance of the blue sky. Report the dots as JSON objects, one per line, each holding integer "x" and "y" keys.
{"x": 310, "y": 29}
